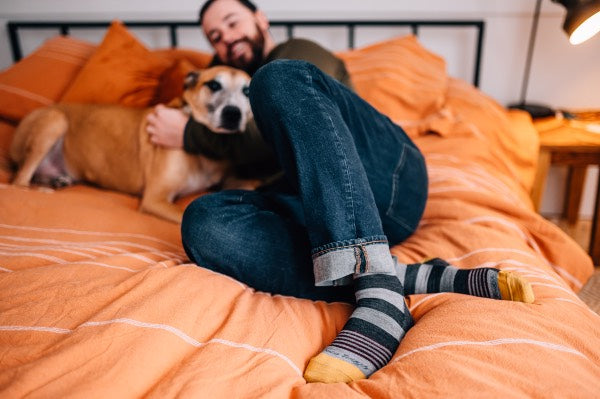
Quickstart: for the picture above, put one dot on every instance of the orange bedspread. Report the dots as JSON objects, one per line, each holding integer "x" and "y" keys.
{"x": 99, "y": 300}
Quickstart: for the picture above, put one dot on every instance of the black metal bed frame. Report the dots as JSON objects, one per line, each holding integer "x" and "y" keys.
{"x": 64, "y": 27}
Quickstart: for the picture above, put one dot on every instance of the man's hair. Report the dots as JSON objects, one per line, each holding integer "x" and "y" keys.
{"x": 246, "y": 3}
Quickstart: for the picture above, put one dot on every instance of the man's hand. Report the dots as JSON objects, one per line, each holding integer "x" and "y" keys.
{"x": 165, "y": 126}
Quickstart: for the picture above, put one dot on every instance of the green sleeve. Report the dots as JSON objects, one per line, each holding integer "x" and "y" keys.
{"x": 250, "y": 154}
{"x": 306, "y": 50}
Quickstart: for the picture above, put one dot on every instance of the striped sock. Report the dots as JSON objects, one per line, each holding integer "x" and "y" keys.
{"x": 370, "y": 337}
{"x": 437, "y": 275}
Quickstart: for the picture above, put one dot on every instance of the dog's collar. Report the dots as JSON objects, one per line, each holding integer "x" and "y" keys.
{"x": 185, "y": 107}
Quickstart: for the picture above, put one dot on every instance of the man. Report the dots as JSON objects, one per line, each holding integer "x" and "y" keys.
{"x": 353, "y": 185}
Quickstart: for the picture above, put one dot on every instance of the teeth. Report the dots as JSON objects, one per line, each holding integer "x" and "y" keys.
{"x": 238, "y": 48}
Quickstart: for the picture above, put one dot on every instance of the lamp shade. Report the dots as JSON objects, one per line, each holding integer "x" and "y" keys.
{"x": 582, "y": 20}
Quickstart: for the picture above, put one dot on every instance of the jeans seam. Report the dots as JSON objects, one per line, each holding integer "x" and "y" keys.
{"x": 324, "y": 251}
{"x": 344, "y": 159}
{"x": 389, "y": 212}
{"x": 394, "y": 181}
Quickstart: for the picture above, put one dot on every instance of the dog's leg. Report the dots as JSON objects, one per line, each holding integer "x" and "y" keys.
{"x": 156, "y": 200}
{"x": 37, "y": 134}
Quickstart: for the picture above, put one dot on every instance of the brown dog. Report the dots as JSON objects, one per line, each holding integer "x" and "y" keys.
{"x": 108, "y": 144}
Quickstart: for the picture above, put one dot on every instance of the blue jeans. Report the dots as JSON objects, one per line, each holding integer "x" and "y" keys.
{"x": 354, "y": 185}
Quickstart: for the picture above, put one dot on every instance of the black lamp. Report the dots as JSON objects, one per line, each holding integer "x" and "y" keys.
{"x": 581, "y": 23}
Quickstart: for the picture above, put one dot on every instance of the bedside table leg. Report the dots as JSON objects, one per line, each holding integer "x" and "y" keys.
{"x": 575, "y": 184}
{"x": 540, "y": 178}
{"x": 595, "y": 236}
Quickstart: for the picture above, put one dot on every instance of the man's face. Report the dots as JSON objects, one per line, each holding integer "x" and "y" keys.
{"x": 236, "y": 33}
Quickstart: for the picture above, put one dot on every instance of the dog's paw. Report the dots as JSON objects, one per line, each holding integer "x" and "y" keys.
{"x": 61, "y": 181}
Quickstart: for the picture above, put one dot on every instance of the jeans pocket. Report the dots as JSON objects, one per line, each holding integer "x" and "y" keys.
{"x": 409, "y": 190}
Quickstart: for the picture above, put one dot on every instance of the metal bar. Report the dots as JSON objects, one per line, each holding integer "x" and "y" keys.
{"x": 97, "y": 24}
{"x": 478, "y": 54}
{"x": 532, "y": 34}
{"x": 15, "y": 26}
{"x": 173, "y": 35}
{"x": 15, "y": 43}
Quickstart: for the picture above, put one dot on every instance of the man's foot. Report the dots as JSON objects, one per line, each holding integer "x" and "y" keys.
{"x": 436, "y": 275}
{"x": 370, "y": 337}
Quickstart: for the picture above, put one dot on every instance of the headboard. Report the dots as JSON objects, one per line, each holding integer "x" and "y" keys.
{"x": 15, "y": 28}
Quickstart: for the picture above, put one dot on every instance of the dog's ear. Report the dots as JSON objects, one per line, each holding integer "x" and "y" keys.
{"x": 191, "y": 79}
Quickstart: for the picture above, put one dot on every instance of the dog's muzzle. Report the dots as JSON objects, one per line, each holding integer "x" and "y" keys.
{"x": 231, "y": 117}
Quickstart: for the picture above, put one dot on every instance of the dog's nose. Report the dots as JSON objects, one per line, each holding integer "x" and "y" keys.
{"x": 230, "y": 117}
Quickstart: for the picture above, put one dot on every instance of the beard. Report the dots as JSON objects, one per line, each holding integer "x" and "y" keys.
{"x": 257, "y": 46}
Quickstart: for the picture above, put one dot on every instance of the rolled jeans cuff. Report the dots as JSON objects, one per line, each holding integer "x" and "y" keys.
{"x": 336, "y": 263}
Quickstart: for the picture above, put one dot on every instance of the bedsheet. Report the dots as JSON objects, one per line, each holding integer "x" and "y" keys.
{"x": 99, "y": 300}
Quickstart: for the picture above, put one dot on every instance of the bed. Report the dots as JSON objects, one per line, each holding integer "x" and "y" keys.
{"x": 99, "y": 300}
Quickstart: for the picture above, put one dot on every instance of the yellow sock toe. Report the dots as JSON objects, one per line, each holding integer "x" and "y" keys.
{"x": 514, "y": 287}
{"x": 329, "y": 369}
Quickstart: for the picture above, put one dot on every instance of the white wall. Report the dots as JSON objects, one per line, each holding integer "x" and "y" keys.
{"x": 562, "y": 75}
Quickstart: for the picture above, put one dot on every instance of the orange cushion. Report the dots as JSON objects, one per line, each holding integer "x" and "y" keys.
{"x": 121, "y": 71}
{"x": 171, "y": 81}
{"x": 199, "y": 59}
{"x": 6, "y": 133}
{"x": 399, "y": 77}
{"x": 41, "y": 78}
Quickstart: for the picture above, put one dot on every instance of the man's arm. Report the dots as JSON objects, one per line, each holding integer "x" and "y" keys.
{"x": 250, "y": 155}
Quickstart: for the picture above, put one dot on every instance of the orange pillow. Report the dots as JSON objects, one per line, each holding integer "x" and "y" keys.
{"x": 399, "y": 77}
{"x": 121, "y": 71}
{"x": 199, "y": 59}
{"x": 41, "y": 78}
{"x": 171, "y": 81}
{"x": 6, "y": 133}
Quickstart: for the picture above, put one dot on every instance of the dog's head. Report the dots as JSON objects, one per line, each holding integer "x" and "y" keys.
{"x": 218, "y": 98}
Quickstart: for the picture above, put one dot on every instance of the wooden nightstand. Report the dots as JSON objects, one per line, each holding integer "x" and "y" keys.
{"x": 570, "y": 143}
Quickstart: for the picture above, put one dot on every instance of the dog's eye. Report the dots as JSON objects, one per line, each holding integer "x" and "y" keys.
{"x": 213, "y": 85}
{"x": 246, "y": 91}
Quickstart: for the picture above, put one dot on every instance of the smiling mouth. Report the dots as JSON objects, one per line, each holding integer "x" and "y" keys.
{"x": 238, "y": 49}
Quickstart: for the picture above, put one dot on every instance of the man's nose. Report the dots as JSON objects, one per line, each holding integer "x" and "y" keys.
{"x": 230, "y": 36}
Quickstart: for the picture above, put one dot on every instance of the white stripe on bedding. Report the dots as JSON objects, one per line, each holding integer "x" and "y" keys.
{"x": 470, "y": 164}
{"x": 510, "y": 225}
{"x": 85, "y": 232}
{"x": 106, "y": 265}
{"x": 471, "y": 176}
{"x": 85, "y": 244}
{"x": 566, "y": 275}
{"x": 34, "y": 255}
{"x": 428, "y": 297}
{"x": 36, "y": 328}
{"x": 56, "y": 249}
{"x": 579, "y": 302}
{"x": 558, "y": 287}
{"x": 69, "y": 59}
{"x": 14, "y": 247}
{"x": 27, "y": 94}
{"x": 120, "y": 252}
{"x": 494, "y": 342}
{"x": 157, "y": 326}
{"x": 110, "y": 251}
{"x": 496, "y": 250}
